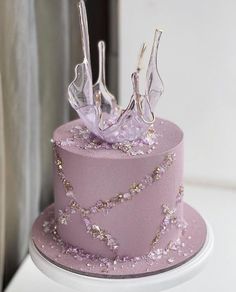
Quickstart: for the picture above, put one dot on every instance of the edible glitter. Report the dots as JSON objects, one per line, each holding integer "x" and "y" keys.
{"x": 83, "y": 139}
{"x": 170, "y": 218}
{"x": 135, "y": 188}
{"x": 94, "y": 230}
{"x": 63, "y": 217}
{"x": 180, "y": 195}
{"x": 170, "y": 260}
{"x": 106, "y": 263}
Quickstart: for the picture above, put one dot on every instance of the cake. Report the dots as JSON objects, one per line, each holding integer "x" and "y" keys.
{"x": 118, "y": 182}
{"x": 119, "y": 204}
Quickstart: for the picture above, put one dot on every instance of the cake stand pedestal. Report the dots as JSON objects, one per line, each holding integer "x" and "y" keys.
{"x": 153, "y": 283}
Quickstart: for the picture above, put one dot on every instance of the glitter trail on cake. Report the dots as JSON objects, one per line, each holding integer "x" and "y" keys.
{"x": 98, "y": 108}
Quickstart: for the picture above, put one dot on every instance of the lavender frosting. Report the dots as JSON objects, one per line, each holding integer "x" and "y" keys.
{"x": 99, "y": 174}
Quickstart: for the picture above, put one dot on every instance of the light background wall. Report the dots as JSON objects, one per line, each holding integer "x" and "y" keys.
{"x": 197, "y": 62}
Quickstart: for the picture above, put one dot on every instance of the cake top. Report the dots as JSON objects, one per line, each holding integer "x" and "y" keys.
{"x": 74, "y": 137}
{"x": 98, "y": 108}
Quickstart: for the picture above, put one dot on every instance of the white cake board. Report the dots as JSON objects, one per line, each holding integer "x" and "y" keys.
{"x": 151, "y": 283}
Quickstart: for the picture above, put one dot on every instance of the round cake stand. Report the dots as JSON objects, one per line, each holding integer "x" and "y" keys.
{"x": 155, "y": 283}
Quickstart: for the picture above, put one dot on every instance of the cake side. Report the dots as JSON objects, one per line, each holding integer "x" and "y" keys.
{"x": 113, "y": 204}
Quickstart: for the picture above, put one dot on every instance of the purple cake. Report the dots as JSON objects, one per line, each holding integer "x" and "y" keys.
{"x": 118, "y": 182}
{"x": 119, "y": 204}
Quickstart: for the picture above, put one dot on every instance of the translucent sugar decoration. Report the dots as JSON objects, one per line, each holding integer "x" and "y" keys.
{"x": 98, "y": 108}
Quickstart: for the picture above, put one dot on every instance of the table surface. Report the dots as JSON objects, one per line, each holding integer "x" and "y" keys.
{"x": 216, "y": 205}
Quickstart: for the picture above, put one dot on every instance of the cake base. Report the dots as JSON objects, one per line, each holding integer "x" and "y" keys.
{"x": 51, "y": 250}
{"x": 173, "y": 275}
